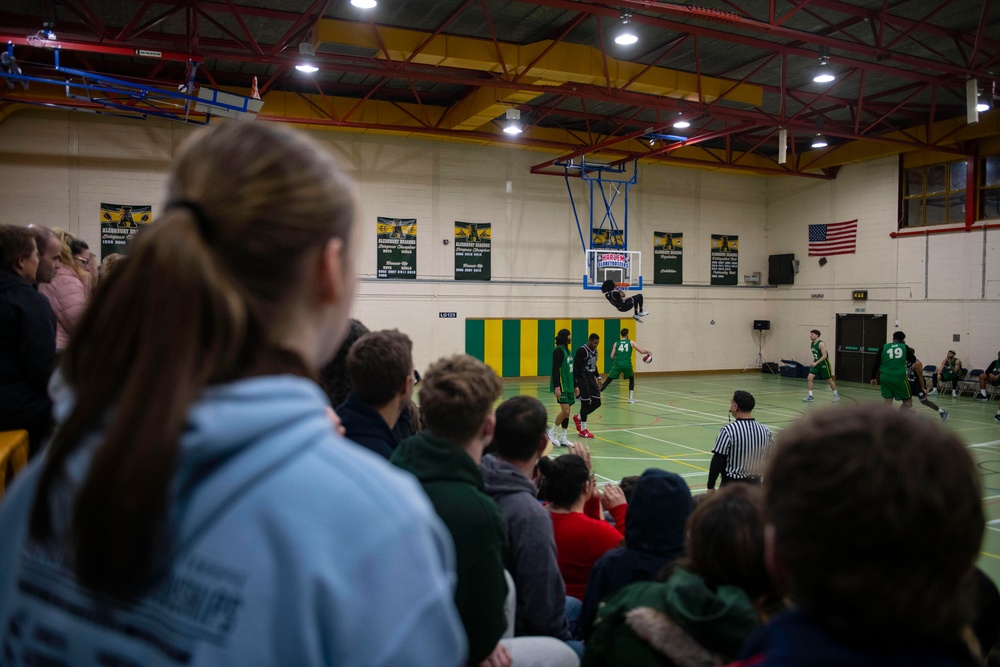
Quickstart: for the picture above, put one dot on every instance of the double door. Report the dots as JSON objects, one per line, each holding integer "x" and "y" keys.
{"x": 859, "y": 338}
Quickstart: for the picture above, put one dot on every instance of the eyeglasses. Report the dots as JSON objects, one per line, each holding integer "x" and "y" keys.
{"x": 84, "y": 261}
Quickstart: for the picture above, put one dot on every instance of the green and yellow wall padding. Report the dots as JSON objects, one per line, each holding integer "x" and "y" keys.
{"x": 523, "y": 348}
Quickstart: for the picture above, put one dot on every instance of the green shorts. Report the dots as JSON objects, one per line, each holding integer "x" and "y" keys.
{"x": 948, "y": 376}
{"x": 821, "y": 371}
{"x": 897, "y": 388}
{"x": 625, "y": 371}
{"x": 566, "y": 398}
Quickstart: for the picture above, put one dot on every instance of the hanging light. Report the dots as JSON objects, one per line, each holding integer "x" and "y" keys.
{"x": 513, "y": 126}
{"x": 819, "y": 141}
{"x": 364, "y": 4}
{"x": 982, "y": 102}
{"x": 681, "y": 123}
{"x": 824, "y": 74}
{"x": 307, "y": 52}
{"x": 626, "y": 35}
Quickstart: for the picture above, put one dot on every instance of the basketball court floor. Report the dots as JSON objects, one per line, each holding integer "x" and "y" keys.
{"x": 677, "y": 418}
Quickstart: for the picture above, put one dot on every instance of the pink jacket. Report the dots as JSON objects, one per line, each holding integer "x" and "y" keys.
{"x": 68, "y": 296}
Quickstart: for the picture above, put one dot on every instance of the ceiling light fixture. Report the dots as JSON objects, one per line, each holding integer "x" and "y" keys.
{"x": 983, "y": 102}
{"x": 824, "y": 74}
{"x": 626, "y": 35}
{"x": 782, "y": 145}
{"x": 307, "y": 51}
{"x": 364, "y": 4}
{"x": 819, "y": 141}
{"x": 513, "y": 126}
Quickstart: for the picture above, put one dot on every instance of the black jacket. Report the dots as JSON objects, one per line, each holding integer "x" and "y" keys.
{"x": 27, "y": 351}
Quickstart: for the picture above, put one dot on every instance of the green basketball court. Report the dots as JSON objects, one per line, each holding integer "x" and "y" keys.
{"x": 677, "y": 418}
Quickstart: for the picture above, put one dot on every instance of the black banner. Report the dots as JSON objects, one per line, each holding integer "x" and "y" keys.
{"x": 119, "y": 223}
{"x": 473, "y": 251}
{"x": 397, "y": 248}
{"x": 725, "y": 259}
{"x": 668, "y": 258}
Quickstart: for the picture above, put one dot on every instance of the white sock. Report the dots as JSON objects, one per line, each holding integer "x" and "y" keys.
{"x": 940, "y": 411}
{"x": 562, "y": 434}
{"x": 630, "y": 395}
{"x": 810, "y": 393}
{"x": 834, "y": 392}
{"x": 982, "y": 391}
{"x": 583, "y": 425}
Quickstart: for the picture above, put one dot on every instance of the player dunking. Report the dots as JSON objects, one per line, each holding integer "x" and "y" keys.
{"x": 616, "y": 298}
{"x": 587, "y": 381}
{"x": 621, "y": 357}
{"x": 821, "y": 366}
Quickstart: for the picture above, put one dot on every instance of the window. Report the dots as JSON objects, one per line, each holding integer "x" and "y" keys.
{"x": 989, "y": 191}
{"x": 935, "y": 194}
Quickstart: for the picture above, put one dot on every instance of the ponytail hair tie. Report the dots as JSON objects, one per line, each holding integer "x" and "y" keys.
{"x": 198, "y": 213}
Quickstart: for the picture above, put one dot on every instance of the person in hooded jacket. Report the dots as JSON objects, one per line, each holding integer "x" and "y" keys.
{"x": 520, "y": 441}
{"x": 654, "y": 538}
{"x": 196, "y": 507}
{"x": 714, "y": 598}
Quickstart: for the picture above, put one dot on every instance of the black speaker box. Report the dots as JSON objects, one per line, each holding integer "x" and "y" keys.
{"x": 761, "y": 325}
{"x": 781, "y": 269}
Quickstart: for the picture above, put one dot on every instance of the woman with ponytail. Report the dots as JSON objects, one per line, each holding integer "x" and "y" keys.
{"x": 195, "y": 505}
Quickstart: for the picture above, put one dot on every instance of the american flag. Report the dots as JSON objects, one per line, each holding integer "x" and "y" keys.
{"x": 837, "y": 238}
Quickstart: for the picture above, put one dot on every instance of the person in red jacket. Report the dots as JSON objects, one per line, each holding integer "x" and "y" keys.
{"x": 582, "y": 536}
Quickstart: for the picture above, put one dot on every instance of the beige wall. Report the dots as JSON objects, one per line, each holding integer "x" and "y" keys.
{"x": 57, "y": 168}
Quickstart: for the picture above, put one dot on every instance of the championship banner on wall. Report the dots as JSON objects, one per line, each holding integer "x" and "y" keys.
{"x": 725, "y": 259}
{"x": 473, "y": 251}
{"x": 668, "y": 258}
{"x": 605, "y": 238}
{"x": 397, "y": 248}
{"x": 119, "y": 223}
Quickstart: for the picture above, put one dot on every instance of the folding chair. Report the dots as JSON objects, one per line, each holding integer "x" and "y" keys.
{"x": 971, "y": 382}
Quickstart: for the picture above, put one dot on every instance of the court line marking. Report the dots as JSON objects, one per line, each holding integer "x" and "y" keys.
{"x": 655, "y": 456}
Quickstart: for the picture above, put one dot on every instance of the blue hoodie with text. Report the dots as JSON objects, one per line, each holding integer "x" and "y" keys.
{"x": 289, "y": 546}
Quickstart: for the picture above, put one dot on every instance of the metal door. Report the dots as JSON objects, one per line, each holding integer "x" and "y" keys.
{"x": 859, "y": 338}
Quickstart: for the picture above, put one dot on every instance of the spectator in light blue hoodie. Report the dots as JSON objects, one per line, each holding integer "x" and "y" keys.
{"x": 196, "y": 506}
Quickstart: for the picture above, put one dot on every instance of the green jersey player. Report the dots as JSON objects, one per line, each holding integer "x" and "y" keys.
{"x": 821, "y": 366}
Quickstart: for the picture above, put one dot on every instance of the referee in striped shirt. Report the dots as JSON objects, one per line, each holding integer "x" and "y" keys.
{"x": 740, "y": 451}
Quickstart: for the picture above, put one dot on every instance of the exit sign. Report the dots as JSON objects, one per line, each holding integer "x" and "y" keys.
{"x": 859, "y": 294}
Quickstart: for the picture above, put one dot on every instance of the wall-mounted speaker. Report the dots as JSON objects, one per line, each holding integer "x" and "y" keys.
{"x": 781, "y": 269}
{"x": 762, "y": 325}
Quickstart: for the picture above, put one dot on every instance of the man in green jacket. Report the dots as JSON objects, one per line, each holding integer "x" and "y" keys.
{"x": 456, "y": 402}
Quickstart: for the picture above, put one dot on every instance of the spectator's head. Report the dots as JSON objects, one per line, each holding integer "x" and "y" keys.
{"x": 744, "y": 401}
{"x": 951, "y": 354}
{"x": 628, "y": 486}
{"x": 109, "y": 263}
{"x": 566, "y": 480}
{"x": 85, "y": 259}
{"x": 725, "y": 540}
{"x": 986, "y": 618}
{"x": 380, "y": 366}
{"x": 563, "y": 338}
{"x": 249, "y": 271}
{"x": 520, "y": 431}
{"x": 333, "y": 377}
{"x": 898, "y": 336}
{"x": 608, "y": 286}
{"x": 18, "y": 251}
{"x": 814, "y": 334}
{"x": 657, "y": 513}
{"x": 49, "y": 251}
{"x": 68, "y": 258}
{"x": 876, "y": 522}
{"x": 456, "y": 399}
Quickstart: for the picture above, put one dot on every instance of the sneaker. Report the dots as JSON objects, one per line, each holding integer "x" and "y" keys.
{"x": 954, "y": 393}
{"x": 563, "y": 442}
{"x": 933, "y": 392}
{"x": 944, "y": 415}
{"x": 836, "y": 398}
{"x": 643, "y": 313}
{"x": 578, "y": 423}
{"x": 553, "y": 437}
{"x": 808, "y": 399}
{"x": 997, "y": 418}
{"x": 637, "y": 318}
{"x": 632, "y": 400}
{"x": 981, "y": 397}
{"x": 586, "y": 434}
